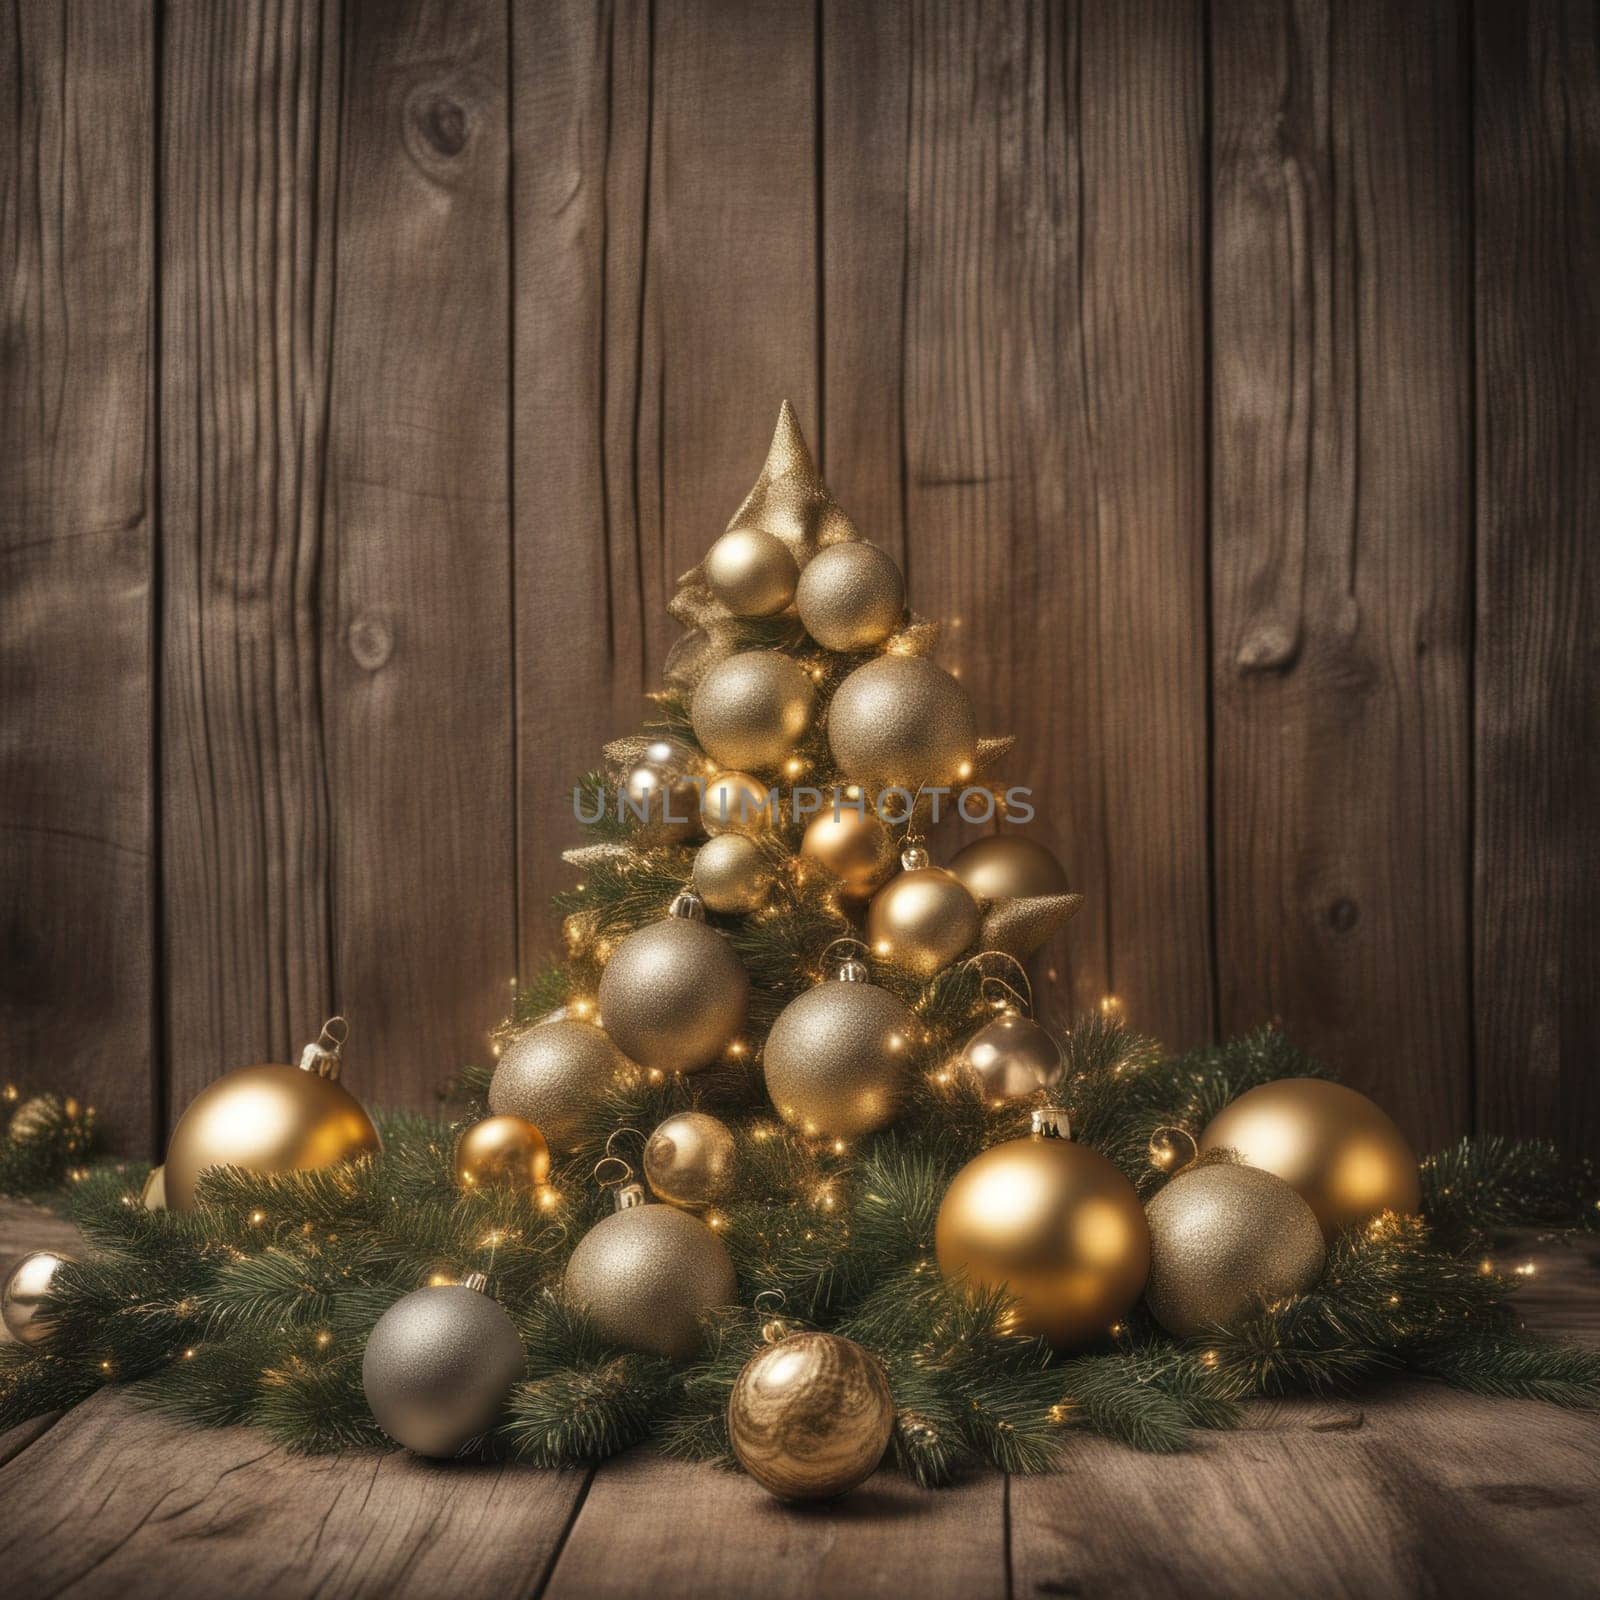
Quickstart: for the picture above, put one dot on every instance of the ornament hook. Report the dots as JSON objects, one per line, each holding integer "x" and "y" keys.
{"x": 322, "y": 1055}
{"x": 1164, "y": 1151}
{"x": 986, "y": 978}
{"x": 853, "y": 969}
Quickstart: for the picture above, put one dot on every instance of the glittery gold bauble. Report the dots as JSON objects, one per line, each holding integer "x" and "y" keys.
{"x": 901, "y": 721}
{"x": 734, "y": 802}
{"x": 922, "y": 920}
{"x": 35, "y": 1117}
{"x": 646, "y": 1275}
{"x": 837, "y": 1057}
{"x": 153, "y": 1197}
{"x": 855, "y": 846}
{"x": 23, "y": 1294}
{"x": 503, "y": 1151}
{"x": 1011, "y": 1058}
{"x": 689, "y": 1159}
{"x": 273, "y": 1118}
{"x": 1009, "y": 866}
{"x": 673, "y": 995}
{"x": 750, "y": 710}
{"x": 751, "y": 572}
{"x": 1224, "y": 1241}
{"x": 1058, "y": 1225}
{"x": 851, "y": 596}
{"x": 732, "y": 873}
{"x": 810, "y": 1416}
{"x": 554, "y": 1075}
{"x": 439, "y": 1367}
{"x": 664, "y": 802}
{"x": 1340, "y": 1152}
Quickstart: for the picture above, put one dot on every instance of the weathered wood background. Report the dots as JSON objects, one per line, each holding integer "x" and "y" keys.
{"x": 1228, "y": 374}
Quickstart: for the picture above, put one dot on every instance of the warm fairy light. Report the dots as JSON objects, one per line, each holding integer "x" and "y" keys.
{"x": 1526, "y": 1270}
{"x": 1394, "y": 1299}
{"x": 737, "y": 1048}
{"x": 839, "y": 1147}
{"x": 964, "y": 771}
{"x": 582, "y": 1006}
{"x": 582, "y": 887}
{"x": 715, "y": 1219}
{"x": 492, "y": 1240}
{"x": 1111, "y": 1007}
{"x": 1061, "y": 1411}
{"x": 1117, "y": 1329}
{"x": 188, "y": 1355}
{"x": 1209, "y": 1359}
{"x": 324, "y": 1338}
{"x": 10, "y": 1094}
{"x": 824, "y": 1198}
{"x": 1485, "y": 1267}
{"x": 762, "y": 1132}
{"x": 107, "y": 1368}
{"x": 794, "y": 766}
{"x": 549, "y": 1198}
{"x": 257, "y": 1217}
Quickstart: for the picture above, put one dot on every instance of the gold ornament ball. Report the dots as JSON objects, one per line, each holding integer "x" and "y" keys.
{"x": 439, "y": 1367}
{"x": 674, "y": 995}
{"x": 22, "y": 1297}
{"x": 1225, "y": 1240}
{"x": 732, "y": 874}
{"x": 36, "y": 1116}
{"x": 153, "y": 1197}
{"x": 271, "y": 1118}
{"x": 1011, "y": 1058}
{"x": 851, "y": 596}
{"x": 689, "y": 1159}
{"x": 1338, "y": 1150}
{"x": 502, "y": 1152}
{"x": 855, "y": 846}
{"x": 1055, "y": 1223}
{"x": 553, "y": 1075}
{"x": 810, "y": 1416}
{"x": 750, "y": 710}
{"x": 901, "y": 721}
{"x": 666, "y": 804}
{"x": 1007, "y": 866}
{"x": 752, "y": 572}
{"x": 922, "y": 920}
{"x": 734, "y": 802}
{"x": 837, "y": 1057}
{"x": 646, "y": 1275}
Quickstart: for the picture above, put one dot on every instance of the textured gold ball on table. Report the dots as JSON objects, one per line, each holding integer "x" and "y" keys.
{"x": 1053, "y": 1222}
{"x": 752, "y": 572}
{"x": 439, "y": 1367}
{"x": 923, "y": 918}
{"x": 732, "y": 874}
{"x": 854, "y": 844}
{"x": 673, "y": 996}
{"x": 553, "y": 1074}
{"x": 1337, "y": 1149}
{"x": 647, "y": 1274}
{"x": 1011, "y": 1058}
{"x": 851, "y": 597}
{"x": 1008, "y": 866}
{"x": 752, "y": 709}
{"x": 902, "y": 722}
{"x": 837, "y": 1058}
{"x": 153, "y": 1196}
{"x": 689, "y": 1159}
{"x": 271, "y": 1118}
{"x": 23, "y": 1294}
{"x": 1225, "y": 1240}
{"x": 810, "y": 1416}
{"x": 735, "y": 802}
{"x": 502, "y": 1152}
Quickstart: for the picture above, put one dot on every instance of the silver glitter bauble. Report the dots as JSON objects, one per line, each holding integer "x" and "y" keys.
{"x": 851, "y": 596}
{"x": 553, "y": 1076}
{"x": 439, "y": 1366}
{"x": 901, "y": 721}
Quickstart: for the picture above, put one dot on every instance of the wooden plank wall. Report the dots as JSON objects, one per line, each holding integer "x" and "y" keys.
{"x": 1224, "y": 373}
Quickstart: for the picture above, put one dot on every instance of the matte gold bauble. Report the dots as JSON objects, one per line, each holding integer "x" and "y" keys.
{"x": 273, "y": 1118}
{"x": 23, "y": 1294}
{"x": 750, "y": 710}
{"x": 664, "y": 803}
{"x": 810, "y": 1416}
{"x": 1055, "y": 1223}
{"x": 1339, "y": 1151}
{"x": 901, "y": 721}
{"x": 837, "y": 1057}
{"x": 1224, "y": 1241}
{"x": 502, "y": 1152}
{"x": 689, "y": 1159}
{"x": 851, "y": 596}
{"x": 732, "y": 874}
{"x": 153, "y": 1197}
{"x": 647, "y": 1274}
{"x": 439, "y": 1367}
{"x": 854, "y": 845}
{"x": 922, "y": 920}
{"x": 734, "y": 802}
{"x": 752, "y": 572}
{"x": 1011, "y": 1058}
{"x": 1008, "y": 866}
{"x": 554, "y": 1075}
{"x": 674, "y": 995}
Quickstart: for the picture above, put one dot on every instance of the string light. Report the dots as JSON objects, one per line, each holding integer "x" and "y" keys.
{"x": 1112, "y": 1008}
{"x": 257, "y": 1218}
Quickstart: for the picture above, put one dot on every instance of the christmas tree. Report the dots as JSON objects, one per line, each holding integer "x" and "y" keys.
{"x": 777, "y": 1163}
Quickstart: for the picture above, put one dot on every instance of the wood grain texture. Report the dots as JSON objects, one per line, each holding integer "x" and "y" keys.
{"x": 77, "y": 981}
{"x": 1536, "y": 868}
{"x": 1341, "y": 543}
{"x": 1055, "y": 451}
{"x": 249, "y": 145}
{"x": 417, "y": 679}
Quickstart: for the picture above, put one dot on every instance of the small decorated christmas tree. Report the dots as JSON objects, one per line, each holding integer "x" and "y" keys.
{"x": 777, "y": 1162}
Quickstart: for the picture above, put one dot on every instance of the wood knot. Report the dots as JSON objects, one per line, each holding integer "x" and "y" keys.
{"x": 1268, "y": 647}
{"x": 442, "y": 122}
{"x": 440, "y": 128}
{"x": 371, "y": 642}
{"x": 1343, "y": 915}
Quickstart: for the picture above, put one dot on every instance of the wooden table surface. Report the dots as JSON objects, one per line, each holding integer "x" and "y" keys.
{"x": 1407, "y": 1488}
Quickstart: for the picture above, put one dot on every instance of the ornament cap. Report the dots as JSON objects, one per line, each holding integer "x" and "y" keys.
{"x": 476, "y": 1280}
{"x": 914, "y": 858}
{"x": 1050, "y": 1122}
{"x": 687, "y": 906}
{"x": 629, "y": 1196}
{"x": 854, "y": 971}
{"x": 322, "y": 1055}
